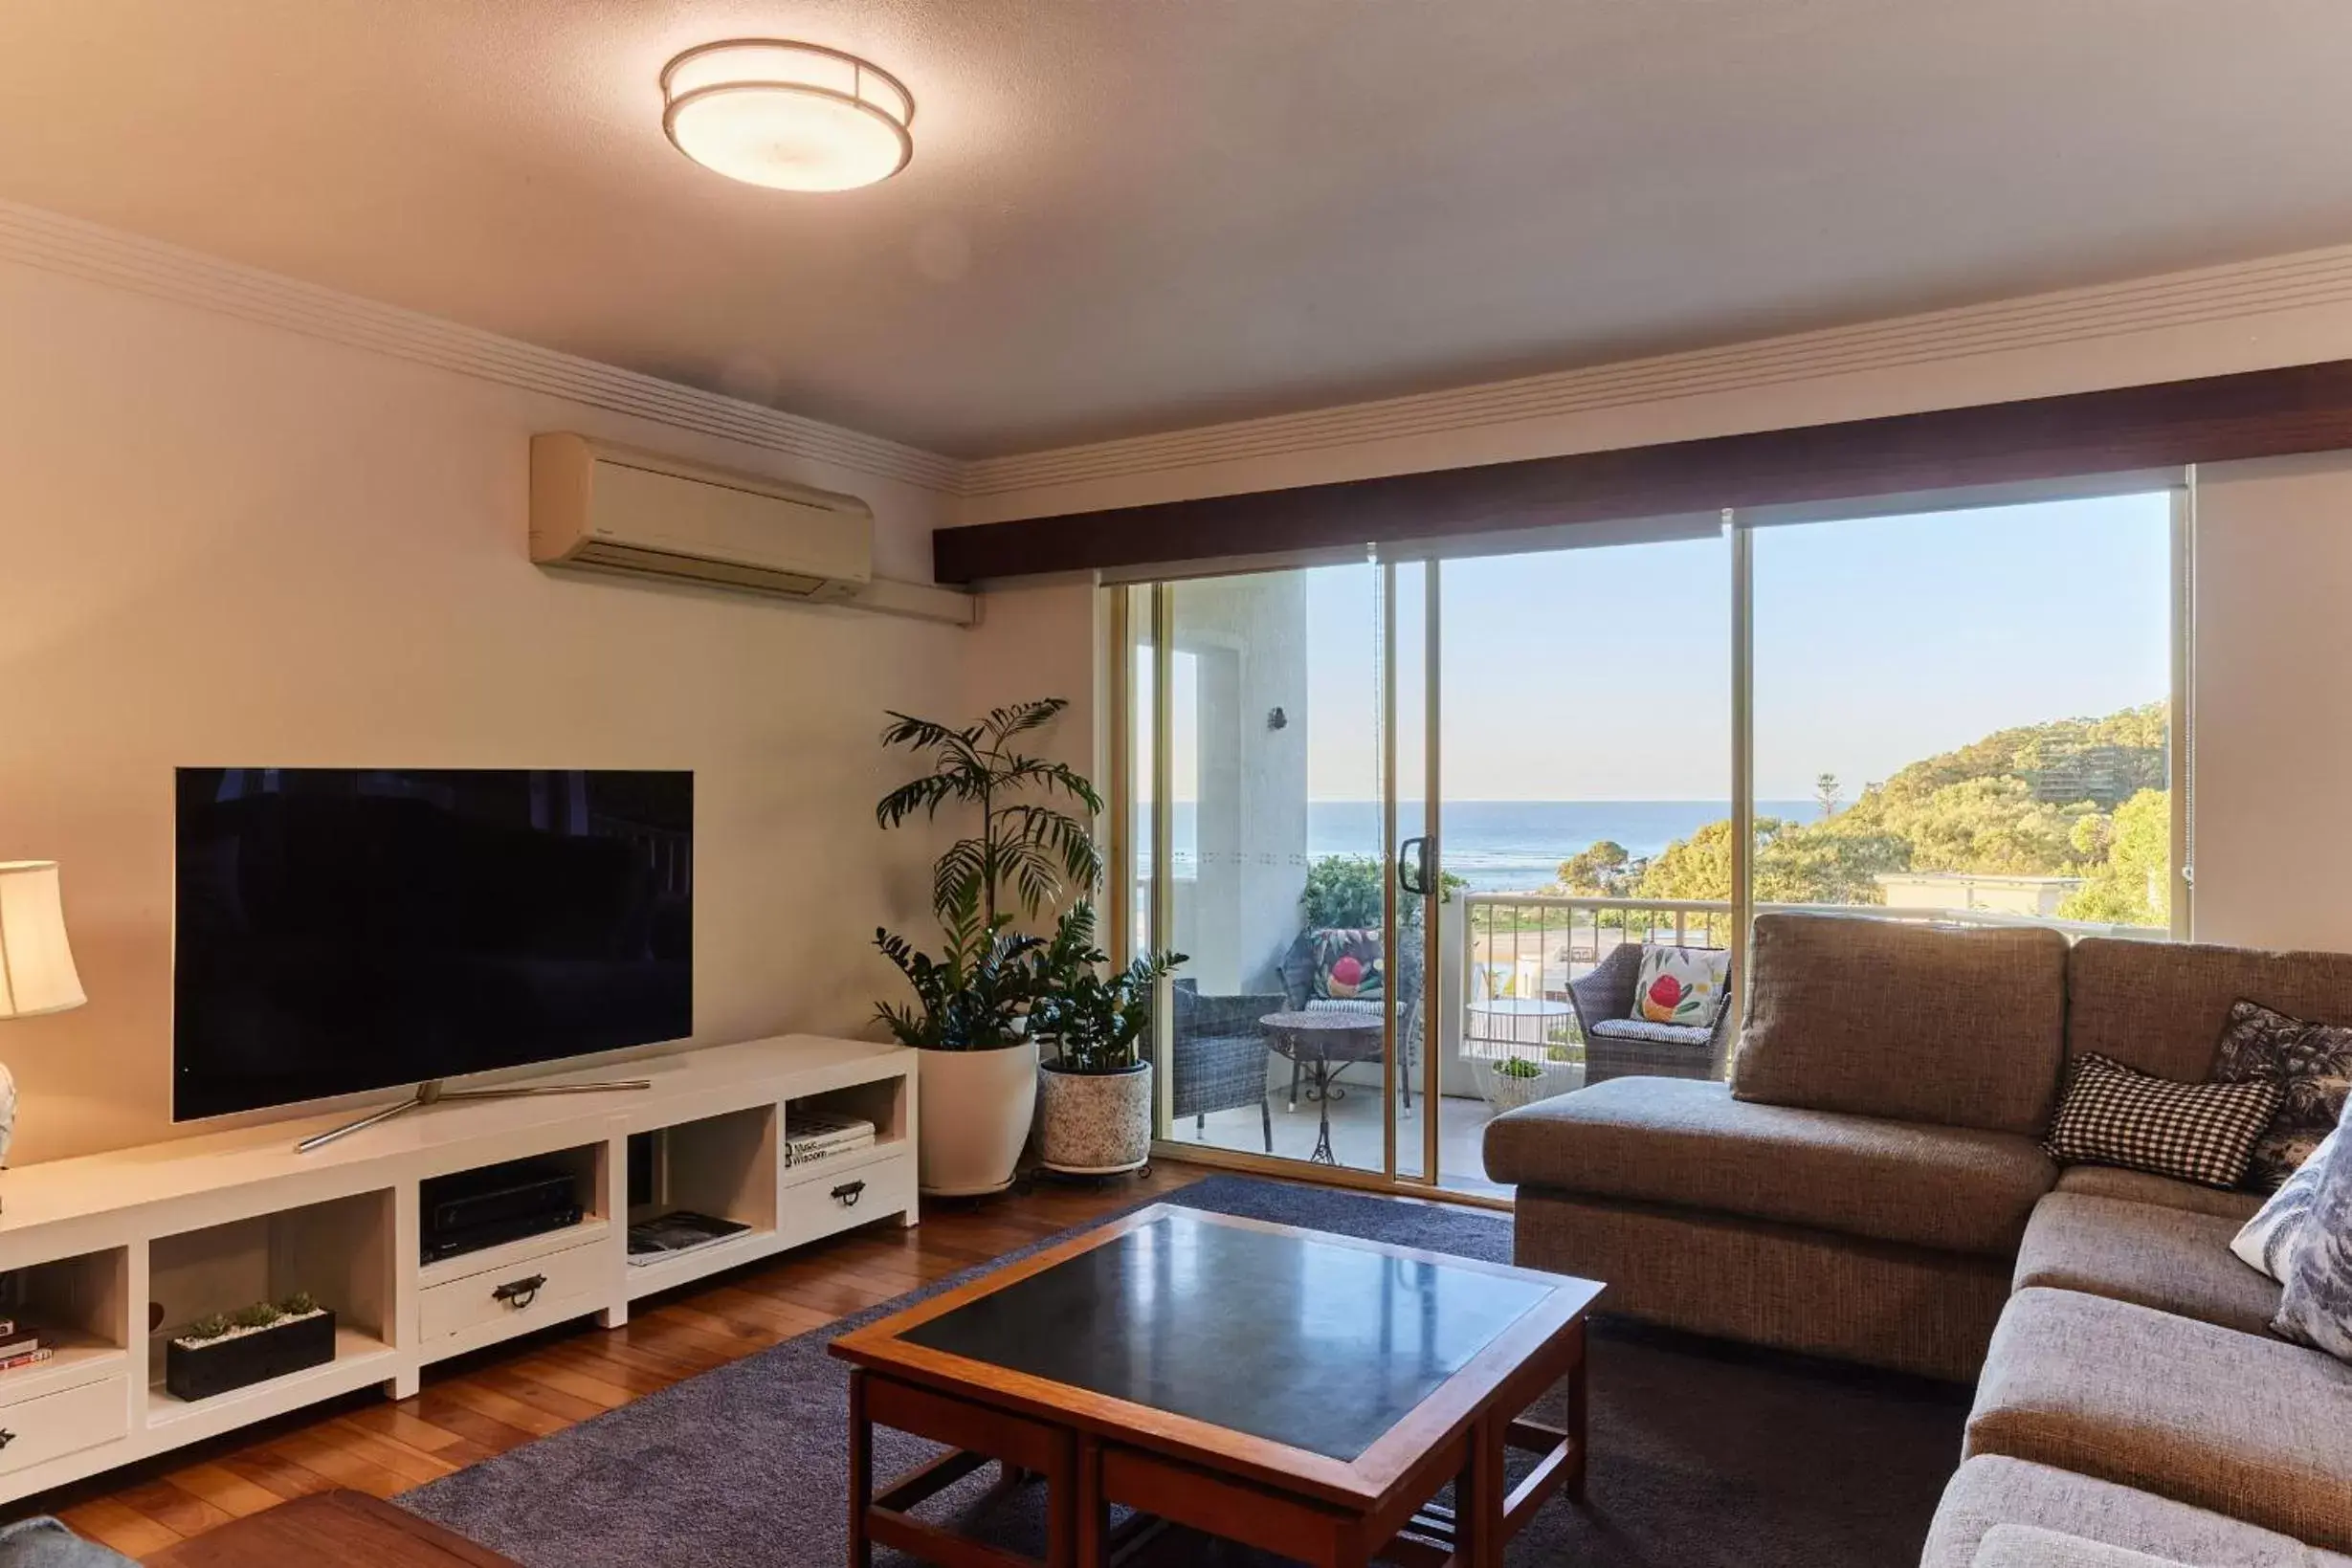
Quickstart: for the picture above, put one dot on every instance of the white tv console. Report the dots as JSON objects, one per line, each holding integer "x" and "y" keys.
{"x": 121, "y": 1250}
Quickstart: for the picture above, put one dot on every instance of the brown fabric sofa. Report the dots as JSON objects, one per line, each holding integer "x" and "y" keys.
{"x": 1868, "y": 1185}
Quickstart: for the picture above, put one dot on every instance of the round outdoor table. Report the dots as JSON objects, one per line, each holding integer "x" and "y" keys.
{"x": 1517, "y": 1020}
{"x": 1325, "y": 1043}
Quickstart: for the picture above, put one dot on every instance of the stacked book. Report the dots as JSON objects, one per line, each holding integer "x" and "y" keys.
{"x": 812, "y": 1135}
{"x": 20, "y": 1346}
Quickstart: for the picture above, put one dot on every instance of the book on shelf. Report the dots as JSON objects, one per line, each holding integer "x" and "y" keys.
{"x": 668, "y": 1235}
{"x": 17, "y": 1341}
{"x": 25, "y": 1358}
{"x": 8, "y": 1325}
{"x": 812, "y": 1135}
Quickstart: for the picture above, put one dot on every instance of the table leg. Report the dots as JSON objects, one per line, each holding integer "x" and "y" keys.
{"x": 1323, "y": 1155}
{"x": 1093, "y": 1515}
{"x": 1580, "y": 1403}
{"x": 1478, "y": 1501}
{"x": 861, "y": 1472}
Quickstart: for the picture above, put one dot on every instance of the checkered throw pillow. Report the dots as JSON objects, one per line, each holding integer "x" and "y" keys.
{"x": 2202, "y": 1133}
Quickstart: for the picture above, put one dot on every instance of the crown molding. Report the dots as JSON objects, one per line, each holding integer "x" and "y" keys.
{"x": 2186, "y": 298}
{"x": 55, "y": 243}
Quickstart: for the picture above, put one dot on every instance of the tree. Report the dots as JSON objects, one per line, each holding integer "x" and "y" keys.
{"x": 1826, "y": 794}
{"x": 1602, "y": 869}
{"x": 1025, "y": 840}
{"x": 2133, "y": 885}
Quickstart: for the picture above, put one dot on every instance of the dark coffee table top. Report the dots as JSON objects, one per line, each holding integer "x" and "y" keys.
{"x": 1322, "y": 1345}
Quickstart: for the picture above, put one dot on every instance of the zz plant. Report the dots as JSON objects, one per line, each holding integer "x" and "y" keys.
{"x": 1096, "y": 1020}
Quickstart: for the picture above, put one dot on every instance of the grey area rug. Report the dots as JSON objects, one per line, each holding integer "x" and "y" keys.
{"x": 1704, "y": 1455}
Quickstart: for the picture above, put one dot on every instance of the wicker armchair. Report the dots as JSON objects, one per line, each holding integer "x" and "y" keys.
{"x": 1618, "y": 1044}
{"x": 1221, "y": 1054}
{"x": 1297, "y": 971}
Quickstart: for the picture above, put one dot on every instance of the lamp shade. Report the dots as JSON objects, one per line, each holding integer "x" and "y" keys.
{"x": 36, "y": 966}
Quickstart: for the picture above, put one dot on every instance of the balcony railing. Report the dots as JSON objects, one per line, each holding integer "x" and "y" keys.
{"x": 1519, "y": 952}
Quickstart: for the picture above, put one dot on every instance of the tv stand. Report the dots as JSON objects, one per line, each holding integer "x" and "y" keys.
{"x": 113, "y": 1254}
{"x": 429, "y": 1092}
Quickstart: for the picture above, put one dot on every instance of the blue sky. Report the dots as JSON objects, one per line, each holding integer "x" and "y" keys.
{"x": 1605, "y": 674}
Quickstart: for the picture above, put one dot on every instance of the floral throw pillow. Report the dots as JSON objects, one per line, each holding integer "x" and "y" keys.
{"x": 2267, "y": 1241}
{"x": 2312, "y": 1065}
{"x": 1682, "y": 986}
{"x": 1347, "y": 966}
{"x": 2315, "y": 1308}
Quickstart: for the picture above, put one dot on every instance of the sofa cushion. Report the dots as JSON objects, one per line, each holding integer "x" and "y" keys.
{"x": 2255, "y": 1428}
{"x": 2312, "y": 1065}
{"x": 1992, "y": 1492}
{"x": 2166, "y": 1258}
{"x": 2268, "y": 1240}
{"x": 1964, "y": 1029}
{"x": 2314, "y": 1303}
{"x": 2146, "y": 1187}
{"x": 2028, "y": 1546}
{"x": 2205, "y": 1132}
{"x": 2160, "y": 1006}
{"x": 1687, "y": 1142}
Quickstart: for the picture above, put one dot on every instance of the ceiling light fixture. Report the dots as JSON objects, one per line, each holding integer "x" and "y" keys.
{"x": 787, "y": 116}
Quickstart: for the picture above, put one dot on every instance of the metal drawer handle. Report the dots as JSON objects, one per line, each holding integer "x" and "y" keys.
{"x": 7, "y": 1437}
{"x": 848, "y": 1192}
{"x": 520, "y": 1292}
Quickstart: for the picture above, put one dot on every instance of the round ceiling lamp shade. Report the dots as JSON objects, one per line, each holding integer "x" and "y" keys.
{"x": 787, "y": 116}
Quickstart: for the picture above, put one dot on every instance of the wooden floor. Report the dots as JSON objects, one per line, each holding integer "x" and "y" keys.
{"x": 482, "y": 1405}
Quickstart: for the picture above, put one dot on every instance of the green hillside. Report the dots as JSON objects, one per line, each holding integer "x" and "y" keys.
{"x": 2076, "y": 797}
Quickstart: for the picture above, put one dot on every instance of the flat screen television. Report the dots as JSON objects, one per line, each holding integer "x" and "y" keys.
{"x": 348, "y": 929}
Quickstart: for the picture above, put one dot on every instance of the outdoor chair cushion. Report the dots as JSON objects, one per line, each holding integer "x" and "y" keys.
{"x": 1658, "y": 1034}
{"x": 1964, "y": 1029}
{"x": 2166, "y": 1258}
{"x": 2160, "y": 1006}
{"x": 1993, "y": 1492}
{"x": 2252, "y": 1427}
{"x": 2146, "y": 1187}
{"x": 1687, "y": 1142}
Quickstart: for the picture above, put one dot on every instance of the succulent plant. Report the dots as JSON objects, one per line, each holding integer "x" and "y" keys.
{"x": 300, "y": 1304}
{"x": 1518, "y": 1067}
{"x": 260, "y": 1315}
{"x": 212, "y": 1327}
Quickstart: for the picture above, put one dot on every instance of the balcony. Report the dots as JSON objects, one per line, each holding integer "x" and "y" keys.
{"x": 1505, "y": 963}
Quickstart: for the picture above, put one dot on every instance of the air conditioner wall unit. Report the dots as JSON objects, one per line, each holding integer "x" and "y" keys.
{"x": 619, "y": 509}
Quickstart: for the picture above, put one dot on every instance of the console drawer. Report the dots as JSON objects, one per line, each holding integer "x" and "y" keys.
{"x": 535, "y": 1291}
{"x": 34, "y": 1432}
{"x": 831, "y": 1201}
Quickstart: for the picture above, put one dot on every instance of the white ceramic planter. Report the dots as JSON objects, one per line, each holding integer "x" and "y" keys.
{"x": 975, "y": 1118}
{"x": 1506, "y": 1092}
{"x": 1097, "y": 1123}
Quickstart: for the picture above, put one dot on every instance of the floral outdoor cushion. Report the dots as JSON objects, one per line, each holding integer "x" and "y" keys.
{"x": 2315, "y": 1308}
{"x": 1347, "y": 966}
{"x": 2267, "y": 1240}
{"x": 1682, "y": 986}
{"x": 2312, "y": 1065}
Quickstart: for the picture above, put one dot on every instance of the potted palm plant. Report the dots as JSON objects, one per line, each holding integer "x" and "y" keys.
{"x": 978, "y": 1068}
{"x": 1095, "y": 1085}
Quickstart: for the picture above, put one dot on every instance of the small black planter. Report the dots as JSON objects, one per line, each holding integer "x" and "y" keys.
{"x": 198, "y": 1372}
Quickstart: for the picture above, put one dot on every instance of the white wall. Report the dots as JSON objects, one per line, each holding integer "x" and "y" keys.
{"x": 221, "y": 543}
{"x": 2274, "y": 801}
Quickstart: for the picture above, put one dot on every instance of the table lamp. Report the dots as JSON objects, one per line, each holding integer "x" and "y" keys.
{"x": 36, "y": 966}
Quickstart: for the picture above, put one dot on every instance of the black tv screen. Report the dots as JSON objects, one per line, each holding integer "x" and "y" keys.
{"x": 343, "y": 929}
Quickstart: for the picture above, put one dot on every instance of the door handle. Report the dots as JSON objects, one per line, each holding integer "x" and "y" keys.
{"x": 1412, "y": 866}
{"x": 848, "y": 1192}
{"x": 520, "y": 1294}
{"x": 7, "y": 1437}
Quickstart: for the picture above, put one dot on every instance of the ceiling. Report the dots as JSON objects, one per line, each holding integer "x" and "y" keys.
{"x": 1126, "y": 215}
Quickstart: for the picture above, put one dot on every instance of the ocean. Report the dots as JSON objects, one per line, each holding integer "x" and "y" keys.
{"x": 1504, "y": 846}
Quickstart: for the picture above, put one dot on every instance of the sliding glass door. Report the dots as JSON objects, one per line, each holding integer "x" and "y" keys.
{"x": 1439, "y": 837}
{"x": 1266, "y": 729}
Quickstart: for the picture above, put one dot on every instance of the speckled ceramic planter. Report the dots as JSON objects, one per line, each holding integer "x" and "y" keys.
{"x": 1097, "y": 1123}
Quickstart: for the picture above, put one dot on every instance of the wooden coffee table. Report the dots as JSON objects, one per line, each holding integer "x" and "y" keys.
{"x": 1305, "y": 1394}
